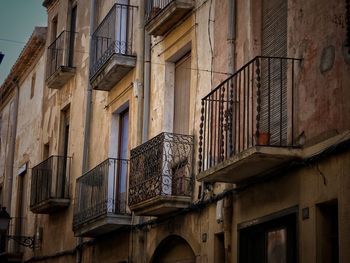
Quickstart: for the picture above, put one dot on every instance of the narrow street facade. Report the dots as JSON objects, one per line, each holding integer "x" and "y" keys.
{"x": 179, "y": 131}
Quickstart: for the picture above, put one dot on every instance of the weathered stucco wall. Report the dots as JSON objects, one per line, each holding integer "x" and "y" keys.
{"x": 6, "y": 133}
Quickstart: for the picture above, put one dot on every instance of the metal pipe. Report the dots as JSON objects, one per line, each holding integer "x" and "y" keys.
{"x": 88, "y": 111}
{"x": 10, "y": 165}
{"x": 231, "y": 35}
{"x": 228, "y": 201}
{"x": 140, "y": 49}
{"x": 146, "y": 92}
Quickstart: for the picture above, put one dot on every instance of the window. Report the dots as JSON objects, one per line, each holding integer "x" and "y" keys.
{"x": 17, "y": 222}
{"x": 46, "y": 151}
{"x": 32, "y": 86}
{"x": 219, "y": 248}
{"x": 1, "y": 196}
{"x": 53, "y": 29}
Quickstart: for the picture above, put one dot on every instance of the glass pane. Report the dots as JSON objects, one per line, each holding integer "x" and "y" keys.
{"x": 277, "y": 246}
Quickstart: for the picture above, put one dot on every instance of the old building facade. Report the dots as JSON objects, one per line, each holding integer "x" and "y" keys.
{"x": 179, "y": 131}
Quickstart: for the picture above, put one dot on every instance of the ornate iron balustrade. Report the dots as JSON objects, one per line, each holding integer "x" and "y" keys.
{"x": 101, "y": 191}
{"x": 255, "y": 106}
{"x": 154, "y": 7}
{"x": 50, "y": 180}
{"x": 113, "y": 36}
{"x": 161, "y": 167}
{"x": 60, "y": 53}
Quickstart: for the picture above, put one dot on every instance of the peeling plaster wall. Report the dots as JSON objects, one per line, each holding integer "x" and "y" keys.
{"x": 313, "y": 28}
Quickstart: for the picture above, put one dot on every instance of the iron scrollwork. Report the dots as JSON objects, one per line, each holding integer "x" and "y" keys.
{"x": 23, "y": 240}
{"x": 161, "y": 167}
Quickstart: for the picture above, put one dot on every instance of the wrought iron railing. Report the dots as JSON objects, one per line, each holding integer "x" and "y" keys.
{"x": 255, "y": 106}
{"x": 161, "y": 167}
{"x": 101, "y": 191}
{"x": 154, "y": 7}
{"x": 50, "y": 180}
{"x": 114, "y": 35}
{"x": 61, "y": 53}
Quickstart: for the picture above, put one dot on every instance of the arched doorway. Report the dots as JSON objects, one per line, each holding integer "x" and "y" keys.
{"x": 174, "y": 249}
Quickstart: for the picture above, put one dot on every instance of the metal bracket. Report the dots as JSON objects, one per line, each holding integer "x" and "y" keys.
{"x": 23, "y": 240}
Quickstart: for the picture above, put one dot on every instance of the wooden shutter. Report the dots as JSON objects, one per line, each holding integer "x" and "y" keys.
{"x": 273, "y": 115}
{"x": 182, "y": 95}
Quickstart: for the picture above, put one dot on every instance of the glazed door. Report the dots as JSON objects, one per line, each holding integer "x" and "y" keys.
{"x": 270, "y": 242}
{"x": 122, "y": 26}
{"x": 73, "y": 21}
{"x": 123, "y": 155}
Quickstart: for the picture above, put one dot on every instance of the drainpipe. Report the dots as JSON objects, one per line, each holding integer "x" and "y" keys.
{"x": 88, "y": 111}
{"x": 228, "y": 201}
{"x": 139, "y": 87}
{"x": 147, "y": 83}
{"x": 10, "y": 166}
{"x": 231, "y": 35}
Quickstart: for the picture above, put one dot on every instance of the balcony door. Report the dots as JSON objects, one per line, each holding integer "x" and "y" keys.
{"x": 73, "y": 22}
{"x": 122, "y": 26}
{"x": 62, "y": 162}
{"x": 123, "y": 146}
{"x": 273, "y": 115}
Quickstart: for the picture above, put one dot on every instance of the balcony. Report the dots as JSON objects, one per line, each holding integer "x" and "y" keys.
{"x": 247, "y": 122}
{"x": 112, "y": 54}
{"x": 161, "y": 175}
{"x": 162, "y": 15}
{"x": 50, "y": 185}
{"x": 60, "y": 60}
{"x": 101, "y": 201}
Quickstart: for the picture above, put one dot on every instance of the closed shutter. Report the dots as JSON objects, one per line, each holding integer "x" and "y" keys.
{"x": 273, "y": 115}
{"x": 182, "y": 95}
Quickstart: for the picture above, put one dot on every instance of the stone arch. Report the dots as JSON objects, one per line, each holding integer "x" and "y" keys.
{"x": 173, "y": 249}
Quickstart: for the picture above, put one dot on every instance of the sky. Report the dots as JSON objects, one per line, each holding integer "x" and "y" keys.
{"x": 17, "y": 21}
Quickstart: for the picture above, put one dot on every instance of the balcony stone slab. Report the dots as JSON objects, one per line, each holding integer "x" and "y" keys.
{"x": 161, "y": 205}
{"x": 60, "y": 77}
{"x": 168, "y": 17}
{"x": 115, "y": 68}
{"x": 50, "y": 205}
{"x": 102, "y": 225}
{"x": 255, "y": 161}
